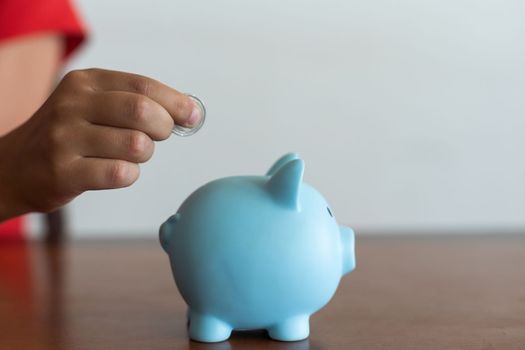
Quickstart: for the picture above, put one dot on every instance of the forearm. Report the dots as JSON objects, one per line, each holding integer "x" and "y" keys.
{"x": 28, "y": 69}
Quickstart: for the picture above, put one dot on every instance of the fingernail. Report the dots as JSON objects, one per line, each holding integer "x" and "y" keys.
{"x": 194, "y": 117}
{"x": 194, "y": 121}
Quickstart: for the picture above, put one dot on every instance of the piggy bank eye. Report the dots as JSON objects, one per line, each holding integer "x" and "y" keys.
{"x": 329, "y": 211}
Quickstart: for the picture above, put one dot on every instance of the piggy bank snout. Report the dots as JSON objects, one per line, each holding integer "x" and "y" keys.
{"x": 348, "y": 243}
{"x": 166, "y": 231}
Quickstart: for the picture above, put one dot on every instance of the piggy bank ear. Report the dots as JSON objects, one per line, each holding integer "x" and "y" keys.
{"x": 285, "y": 183}
{"x": 282, "y": 161}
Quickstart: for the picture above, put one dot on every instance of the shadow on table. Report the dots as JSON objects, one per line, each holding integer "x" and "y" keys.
{"x": 241, "y": 340}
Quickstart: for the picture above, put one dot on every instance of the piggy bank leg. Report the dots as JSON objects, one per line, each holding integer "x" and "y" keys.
{"x": 208, "y": 329}
{"x": 292, "y": 329}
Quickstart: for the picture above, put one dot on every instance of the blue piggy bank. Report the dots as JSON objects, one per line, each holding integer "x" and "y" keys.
{"x": 256, "y": 252}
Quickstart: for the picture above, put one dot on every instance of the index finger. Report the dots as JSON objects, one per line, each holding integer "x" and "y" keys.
{"x": 182, "y": 108}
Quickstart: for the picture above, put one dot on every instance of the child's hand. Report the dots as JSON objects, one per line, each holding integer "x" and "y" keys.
{"x": 90, "y": 134}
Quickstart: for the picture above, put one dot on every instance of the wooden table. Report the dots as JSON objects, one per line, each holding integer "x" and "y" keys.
{"x": 406, "y": 293}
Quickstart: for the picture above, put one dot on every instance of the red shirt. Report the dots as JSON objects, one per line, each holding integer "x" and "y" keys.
{"x": 23, "y": 17}
{"x": 26, "y": 17}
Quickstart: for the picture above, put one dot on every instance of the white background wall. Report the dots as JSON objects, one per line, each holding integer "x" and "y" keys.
{"x": 410, "y": 114}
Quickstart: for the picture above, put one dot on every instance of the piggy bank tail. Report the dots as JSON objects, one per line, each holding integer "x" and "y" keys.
{"x": 166, "y": 232}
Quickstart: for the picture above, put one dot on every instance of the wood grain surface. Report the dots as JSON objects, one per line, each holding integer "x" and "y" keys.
{"x": 407, "y": 293}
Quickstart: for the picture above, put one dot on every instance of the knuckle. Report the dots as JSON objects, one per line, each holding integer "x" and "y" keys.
{"x": 92, "y": 71}
{"x": 76, "y": 75}
{"x": 71, "y": 75}
{"x": 139, "y": 146}
{"x": 56, "y": 137}
{"x": 140, "y": 85}
{"x": 119, "y": 174}
{"x": 77, "y": 80}
{"x": 139, "y": 107}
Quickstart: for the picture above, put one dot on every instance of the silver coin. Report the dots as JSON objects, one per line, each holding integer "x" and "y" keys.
{"x": 187, "y": 131}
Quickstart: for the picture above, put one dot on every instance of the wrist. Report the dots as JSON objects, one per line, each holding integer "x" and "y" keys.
{"x": 8, "y": 204}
